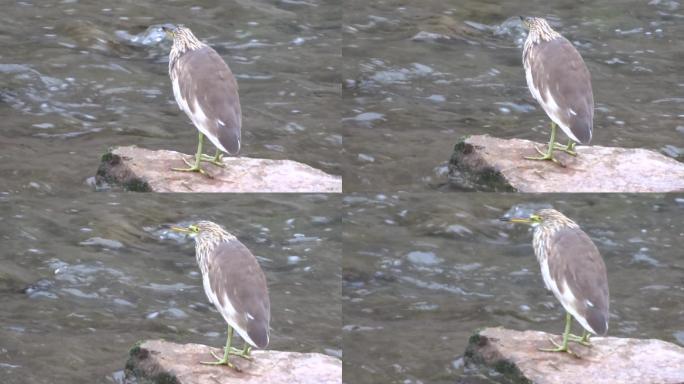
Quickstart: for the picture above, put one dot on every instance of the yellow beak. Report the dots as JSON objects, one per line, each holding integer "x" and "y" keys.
{"x": 525, "y": 220}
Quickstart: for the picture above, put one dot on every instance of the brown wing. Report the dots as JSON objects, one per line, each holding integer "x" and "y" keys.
{"x": 235, "y": 273}
{"x": 574, "y": 258}
{"x": 558, "y": 68}
{"x": 205, "y": 78}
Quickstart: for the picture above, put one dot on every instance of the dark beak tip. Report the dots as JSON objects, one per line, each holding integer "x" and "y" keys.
{"x": 504, "y": 218}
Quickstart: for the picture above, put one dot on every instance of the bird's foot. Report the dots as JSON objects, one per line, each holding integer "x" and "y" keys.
{"x": 244, "y": 353}
{"x": 192, "y": 168}
{"x": 569, "y": 149}
{"x": 216, "y": 160}
{"x": 548, "y": 155}
{"x": 221, "y": 361}
{"x": 559, "y": 348}
{"x": 582, "y": 340}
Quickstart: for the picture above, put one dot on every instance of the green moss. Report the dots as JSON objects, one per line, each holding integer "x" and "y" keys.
{"x": 137, "y": 185}
{"x": 165, "y": 378}
{"x": 460, "y": 146}
{"x": 475, "y": 339}
{"x": 135, "y": 349}
{"x": 510, "y": 370}
{"x": 107, "y": 156}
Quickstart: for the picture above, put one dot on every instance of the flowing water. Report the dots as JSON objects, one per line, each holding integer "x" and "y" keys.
{"x": 82, "y": 278}
{"x": 436, "y": 267}
{"x": 420, "y": 75}
{"x": 78, "y": 77}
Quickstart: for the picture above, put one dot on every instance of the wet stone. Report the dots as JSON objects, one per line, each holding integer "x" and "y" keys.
{"x": 483, "y": 162}
{"x": 516, "y": 355}
{"x": 145, "y": 170}
{"x": 158, "y": 361}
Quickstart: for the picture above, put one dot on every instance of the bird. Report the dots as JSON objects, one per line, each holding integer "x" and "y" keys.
{"x": 559, "y": 80}
{"x": 572, "y": 268}
{"x": 235, "y": 283}
{"x": 206, "y": 90}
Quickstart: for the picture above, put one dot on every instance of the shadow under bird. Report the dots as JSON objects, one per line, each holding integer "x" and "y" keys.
{"x": 559, "y": 80}
{"x": 572, "y": 268}
{"x": 234, "y": 282}
{"x": 206, "y": 90}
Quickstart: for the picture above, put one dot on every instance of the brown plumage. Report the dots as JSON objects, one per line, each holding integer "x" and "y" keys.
{"x": 559, "y": 80}
{"x": 237, "y": 280}
{"x": 572, "y": 268}
{"x": 233, "y": 282}
{"x": 205, "y": 89}
{"x": 576, "y": 265}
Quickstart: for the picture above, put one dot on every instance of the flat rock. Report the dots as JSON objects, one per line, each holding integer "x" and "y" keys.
{"x": 158, "y": 361}
{"x": 488, "y": 163}
{"x": 146, "y": 170}
{"x": 611, "y": 360}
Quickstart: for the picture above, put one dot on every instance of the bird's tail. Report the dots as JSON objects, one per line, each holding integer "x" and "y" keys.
{"x": 258, "y": 333}
{"x": 598, "y": 321}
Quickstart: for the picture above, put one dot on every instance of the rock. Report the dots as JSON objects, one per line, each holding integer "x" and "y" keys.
{"x": 487, "y": 163}
{"x": 611, "y": 360}
{"x": 145, "y": 170}
{"x": 158, "y": 361}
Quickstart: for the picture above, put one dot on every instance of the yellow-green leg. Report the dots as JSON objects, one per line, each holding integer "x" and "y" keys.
{"x": 216, "y": 160}
{"x": 563, "y": 347}
{"x": 226, "y": 352}
{"x": 244, "y": 352}
{"x": 548, "y": 155}
{"x": 198, "y": 157}
{"x": 569, "y": 149}
{"x": 583, "y": 340}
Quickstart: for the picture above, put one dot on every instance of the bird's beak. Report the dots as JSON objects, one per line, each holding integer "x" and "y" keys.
{"x": 168, "y": 29}
{"x": 180, "y": 229}
{"x": 525, "y": 220}
{"x": 525, "y": 22}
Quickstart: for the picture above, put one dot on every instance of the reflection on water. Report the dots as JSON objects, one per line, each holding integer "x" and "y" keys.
{"x": 79, "y": 77}
{"x": 418, "y": 76}
{"x": 435, "y": 268}
{"x": 83, "y": 278}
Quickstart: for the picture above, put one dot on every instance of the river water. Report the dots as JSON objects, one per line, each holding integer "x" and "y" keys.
{"x": 78, "y": 77}
{"x": 420, "y": 75}
{"x": 82, "y": 278}
{"x": 437, "y": 267}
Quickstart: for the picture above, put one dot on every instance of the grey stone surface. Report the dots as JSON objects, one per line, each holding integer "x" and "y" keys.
{"x": 163, "y": 362}
{"x": 489, "y": 163}
{"x": 610, "y": 360}
{"x": 148, "y": 170}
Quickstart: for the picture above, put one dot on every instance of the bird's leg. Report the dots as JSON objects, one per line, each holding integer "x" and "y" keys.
{"x": 563, "y": 347}
{"x": 583, "y": 340}
{"x": 226, "y": 352}
{"x": 548, "y": 155}
{"x": 198, "y": 157}
{"x": 244, "y": 352}
{"x": 569, "y": 149}
{"x": 216, "y": 160}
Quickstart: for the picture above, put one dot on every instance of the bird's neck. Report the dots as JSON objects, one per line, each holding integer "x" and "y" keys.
{"x": 542, "y": 33}
{"x": 182, "y": 45}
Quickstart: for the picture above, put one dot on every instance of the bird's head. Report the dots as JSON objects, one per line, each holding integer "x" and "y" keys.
{"x": 204, "y": 230}
{"x": 182, "y": 36}
{"x": 544, "y": 217}
{"x": 539, "y": 28}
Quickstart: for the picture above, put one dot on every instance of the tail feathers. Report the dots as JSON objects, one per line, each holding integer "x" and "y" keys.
{"x": 598, "y": 321}
{"x": 229, "y": 139}
{"x": 258, "y": 333}
{"x": 582, "y": 130}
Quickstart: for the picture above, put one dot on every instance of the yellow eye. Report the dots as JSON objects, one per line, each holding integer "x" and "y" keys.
{"x": 194, "y": 228}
